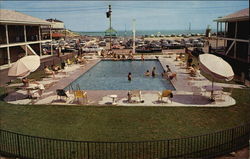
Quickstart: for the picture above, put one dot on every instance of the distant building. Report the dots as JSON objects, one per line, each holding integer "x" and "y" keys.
{"x": 20, "y": 35}
{"x": 234, "y": 30}
{"x": 56, "y": 24}
{"x": 57, "y": 27}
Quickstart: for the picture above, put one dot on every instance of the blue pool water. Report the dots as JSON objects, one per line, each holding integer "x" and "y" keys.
{"x": 112, "y": 75}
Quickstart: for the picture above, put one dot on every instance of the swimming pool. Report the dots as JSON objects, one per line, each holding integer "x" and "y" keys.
{"x": 112, "y": 75}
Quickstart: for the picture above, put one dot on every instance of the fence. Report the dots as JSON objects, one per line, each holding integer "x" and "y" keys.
{"x": 55, "y": 60}
{"x": 205, "y": 146}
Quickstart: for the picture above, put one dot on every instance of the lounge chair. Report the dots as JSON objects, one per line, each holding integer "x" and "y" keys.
{"x": 193, "y": 73}
{"x": 61, "y": 93}
{"x": 69, "y": 62}
{"x": 35, "y": 90}
{"x": 47, "y": 71}
{"x": 165, "y": 93}
{"x": 134, "y": 93}
{"x": 79, "y": 94}
{"x": 219, "y": 96}
{"x": 197, "y": 91}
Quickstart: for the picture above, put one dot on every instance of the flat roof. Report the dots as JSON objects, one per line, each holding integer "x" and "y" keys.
{"x": 54, "y": 20}
{"x": 14, "y": 17}
{"x": 241, "y": 15}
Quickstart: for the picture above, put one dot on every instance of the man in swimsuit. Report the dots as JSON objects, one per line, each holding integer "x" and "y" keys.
{"x": 153, "y": 72}
{"x": 129, "y": 76}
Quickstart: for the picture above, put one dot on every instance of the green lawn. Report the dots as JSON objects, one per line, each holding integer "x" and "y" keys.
{"x": 104, "y": 123}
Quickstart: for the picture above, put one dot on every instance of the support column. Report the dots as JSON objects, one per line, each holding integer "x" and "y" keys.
{"x": 39, "y": 36}
{"x": 221, "y": 27}
{"x": 7, "y": 41}
{"x": 225, "y": 35}
{"x": 217, "y": 35}
{"x": 51, "y": 48}
{"x": 226, "y": 26}
{"x": 25, "y": 40}
{"x": 235, "y": 36}
{"x": 248, "y": 59}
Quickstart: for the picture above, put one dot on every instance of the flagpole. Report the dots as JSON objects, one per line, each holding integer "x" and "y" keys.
{"x": 133, "y": 36}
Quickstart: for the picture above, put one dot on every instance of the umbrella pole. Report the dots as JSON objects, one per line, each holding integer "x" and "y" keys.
{"x": 212, "y": 91}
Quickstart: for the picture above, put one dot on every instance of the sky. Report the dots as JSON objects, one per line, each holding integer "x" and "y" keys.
{"x": 149, "y": 15}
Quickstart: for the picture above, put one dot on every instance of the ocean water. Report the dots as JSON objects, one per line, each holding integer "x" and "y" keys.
{"x": 146, "y": 32}
{"x": 112, "y": 75}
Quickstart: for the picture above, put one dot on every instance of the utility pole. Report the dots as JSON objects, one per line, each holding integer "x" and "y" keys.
{"x": 189, "y": 28}
{"x": 133, "y": 36}
{"x": 125, "y": 33}
{"x": 108, "y": 13}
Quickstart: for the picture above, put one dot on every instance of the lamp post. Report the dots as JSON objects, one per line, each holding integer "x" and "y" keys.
{"x": 108, "y": 14}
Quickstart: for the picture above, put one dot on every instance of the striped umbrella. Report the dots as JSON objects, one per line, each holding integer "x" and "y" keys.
{"x": 216, "y": 67}
{"x": 24, "y": 66}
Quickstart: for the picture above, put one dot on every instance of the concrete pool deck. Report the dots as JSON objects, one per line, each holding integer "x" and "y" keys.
{"x": 183, "y": 96}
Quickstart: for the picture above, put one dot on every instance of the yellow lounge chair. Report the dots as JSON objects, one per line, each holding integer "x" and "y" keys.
{"x": 69, "y": 62}
{"x": 165, "y": 93}
{"x": 80, "y": 94}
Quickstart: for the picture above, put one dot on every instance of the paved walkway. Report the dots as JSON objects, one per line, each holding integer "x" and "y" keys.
{"x": 183, "y": 96}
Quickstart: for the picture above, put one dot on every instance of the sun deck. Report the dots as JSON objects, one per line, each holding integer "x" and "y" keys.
{"x": 183, "y": 95}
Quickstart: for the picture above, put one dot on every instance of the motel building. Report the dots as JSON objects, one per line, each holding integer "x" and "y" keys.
{"x": 233, "y": 42}
{"x": 21, "y": 35}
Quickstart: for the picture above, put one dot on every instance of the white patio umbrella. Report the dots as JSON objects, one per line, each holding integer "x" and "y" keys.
{"x": 216, "y": 67}
{"x": 24, "y": 66}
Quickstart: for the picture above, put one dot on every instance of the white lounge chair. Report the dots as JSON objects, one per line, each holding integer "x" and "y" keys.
{"x": 197, "y": 91}
{"x": 134, "y": 93}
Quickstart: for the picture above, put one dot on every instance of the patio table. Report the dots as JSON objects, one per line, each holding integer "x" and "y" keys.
{"x": 113, "y": 99}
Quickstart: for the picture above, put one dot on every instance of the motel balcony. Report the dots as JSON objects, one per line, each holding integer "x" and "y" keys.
{"x": 22, "y": 34}
{"x": 233, "y": 30}
{"x": 221, "y": 51}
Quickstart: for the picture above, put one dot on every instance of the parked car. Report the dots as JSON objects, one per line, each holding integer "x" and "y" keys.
{"x": 197, "y": 43}
{"x": 102, "y": 43}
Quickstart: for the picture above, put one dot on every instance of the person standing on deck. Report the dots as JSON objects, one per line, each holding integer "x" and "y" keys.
{"x": 168, "y": 69}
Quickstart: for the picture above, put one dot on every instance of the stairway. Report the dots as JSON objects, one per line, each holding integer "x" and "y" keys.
{"x": 30, "y": 51}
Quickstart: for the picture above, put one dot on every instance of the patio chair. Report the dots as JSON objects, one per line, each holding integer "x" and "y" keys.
{"x": 165, "y": 93}
{"x": 219, "y": 96}
{"x": 35, "y": 90}
{"x": 134, "y": 93}
{"x": 61, "y": 93}
{"x": 197, "y": 91}
{"x": 79, "y": 94}
{"x": 69, "y": 62}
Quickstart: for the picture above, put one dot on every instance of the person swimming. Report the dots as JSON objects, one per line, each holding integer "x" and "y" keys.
{"x": 129, "y": 76}
{"x": 147, "y": 73}
{"x": 153, "y": 72}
